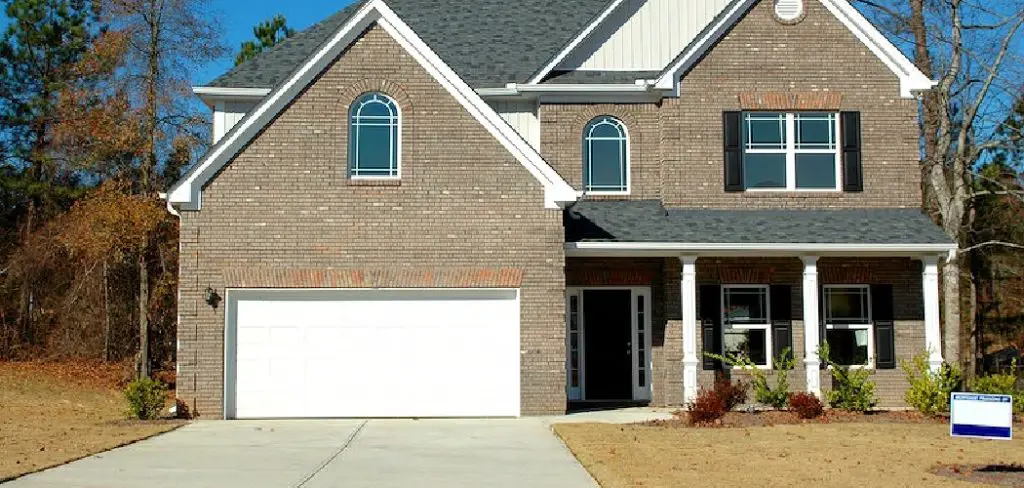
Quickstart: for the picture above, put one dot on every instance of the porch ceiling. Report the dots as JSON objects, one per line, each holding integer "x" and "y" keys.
{"x": 645, "y": 227}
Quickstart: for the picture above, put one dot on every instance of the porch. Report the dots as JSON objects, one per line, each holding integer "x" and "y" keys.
{"x": 640, "y": 314}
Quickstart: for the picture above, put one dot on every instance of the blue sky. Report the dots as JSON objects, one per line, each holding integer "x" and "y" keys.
{"x": 237, "y": 24}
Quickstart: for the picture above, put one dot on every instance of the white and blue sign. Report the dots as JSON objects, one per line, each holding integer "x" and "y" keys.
{"x": 981, "y": 416}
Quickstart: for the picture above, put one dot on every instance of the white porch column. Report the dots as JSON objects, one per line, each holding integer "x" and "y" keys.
{"x": 812, "y": 362}
{"x": 932, "y": 327}
{"x": 688, "y": 288}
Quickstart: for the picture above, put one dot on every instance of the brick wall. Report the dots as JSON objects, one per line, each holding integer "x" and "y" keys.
{"x": 667, "y": 353}
{"x": 818, "y": 63}
{"x": 464, "y": 203}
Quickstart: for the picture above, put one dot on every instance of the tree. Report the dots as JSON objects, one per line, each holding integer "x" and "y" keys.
{"x": 268, "y": 34}
{"x": 43, "y": 40}
{"x": 970, "y": 47}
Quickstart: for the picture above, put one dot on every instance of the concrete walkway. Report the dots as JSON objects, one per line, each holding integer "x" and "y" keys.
{"x": 332, "y": 453}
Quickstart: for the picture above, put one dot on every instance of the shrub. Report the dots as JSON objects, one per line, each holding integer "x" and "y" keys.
{"x": 706, "y": 408}
{"x": 806, "y": 405}
{"x": 146, "y": 398}
{"x": 764, "y": 393}
{"x": 929, "y": 391}
{"x": 733, "y": 393}
{"x": 852, "y": 390}
{"x": 1001, "y": 384}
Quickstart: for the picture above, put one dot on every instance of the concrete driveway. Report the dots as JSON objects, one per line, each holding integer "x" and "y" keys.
{"x": 333, "y": 453}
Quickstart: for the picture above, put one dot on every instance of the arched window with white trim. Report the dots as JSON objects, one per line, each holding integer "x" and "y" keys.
{"x": 374, "y": 133}
{"x": 605, "y": 156}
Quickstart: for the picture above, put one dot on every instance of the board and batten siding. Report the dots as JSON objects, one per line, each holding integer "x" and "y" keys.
{"x": 226, "y": 115}
{"x": 652, "y": 34}
{"x": 522, "y": 116}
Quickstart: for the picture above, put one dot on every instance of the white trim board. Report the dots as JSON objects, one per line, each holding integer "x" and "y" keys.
{"x": 758, "y": 249}
{"x": 912, "y": 80}
{"x": 187, "y": 192}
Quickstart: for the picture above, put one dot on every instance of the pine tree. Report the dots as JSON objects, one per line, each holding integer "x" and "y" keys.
{"x": 268, "y": 34}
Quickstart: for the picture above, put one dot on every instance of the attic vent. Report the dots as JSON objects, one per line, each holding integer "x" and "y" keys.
{"x": 789, "y": 10}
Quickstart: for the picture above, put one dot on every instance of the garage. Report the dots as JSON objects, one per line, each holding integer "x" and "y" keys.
{"x": 372, "y": 353}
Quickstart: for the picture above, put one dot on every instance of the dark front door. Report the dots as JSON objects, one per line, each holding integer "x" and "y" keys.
{"x": 608, "y": 347}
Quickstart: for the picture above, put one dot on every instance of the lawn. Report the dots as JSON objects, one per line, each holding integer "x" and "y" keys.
{"x": 834, "y": 455}
{"x": 51, "y": 414}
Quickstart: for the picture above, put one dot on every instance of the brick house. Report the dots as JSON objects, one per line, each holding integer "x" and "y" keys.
{"x": 421, "y": 209}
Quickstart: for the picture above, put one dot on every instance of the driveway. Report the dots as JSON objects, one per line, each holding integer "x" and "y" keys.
{"x": 332, "y": 453}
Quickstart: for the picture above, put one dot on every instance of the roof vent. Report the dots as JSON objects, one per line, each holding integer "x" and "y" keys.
{"x": 789, "y": 10}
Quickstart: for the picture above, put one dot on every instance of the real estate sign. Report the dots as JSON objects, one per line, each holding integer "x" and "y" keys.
{"x": 981, "y": 416}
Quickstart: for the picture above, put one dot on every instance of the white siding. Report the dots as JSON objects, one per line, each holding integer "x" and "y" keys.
{"x": 226, "y": 115}
{"x": 652, "y": 34}
{"x": 522, "y": 116}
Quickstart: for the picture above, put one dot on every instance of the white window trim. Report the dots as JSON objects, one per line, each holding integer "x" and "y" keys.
{"x": 791, "y": 151}
{"x": 766, "y": 326}
{"x": 869, "y": 326}
{"x": 397, "y": 147}
{"x": 586, "y": 162}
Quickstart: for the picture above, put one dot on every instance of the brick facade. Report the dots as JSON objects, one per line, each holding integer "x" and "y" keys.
{"x": 667, "y": 346}
{"x": 457, "y": 218}
{"x": 676, "y": 146}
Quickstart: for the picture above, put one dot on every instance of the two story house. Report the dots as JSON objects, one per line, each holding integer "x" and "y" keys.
{"x": 446, "y": 208}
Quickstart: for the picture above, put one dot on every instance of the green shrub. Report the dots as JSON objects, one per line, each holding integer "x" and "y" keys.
{"x": 146, "y": 398}
{"x": 852, "y": 388}
{"x": 929, "y": 391}
{"x": 1001, "y": 384}
{"x": 764, "y": 393}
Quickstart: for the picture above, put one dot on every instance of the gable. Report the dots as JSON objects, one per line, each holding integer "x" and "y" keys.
{"x": 186, "y": 194}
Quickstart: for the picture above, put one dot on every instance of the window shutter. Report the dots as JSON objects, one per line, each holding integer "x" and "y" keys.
{"x": 782, "y": 319}
{"x": 885, "y": 327}
{"x": 853, "y": 172}
{"x": 821, "y": 320}
{"x": 732, "y": 140}
{"x": 711, "y": 324}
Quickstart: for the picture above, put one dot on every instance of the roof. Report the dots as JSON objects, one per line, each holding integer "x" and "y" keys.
{"x": 610, "y": 77}
{"x": 486, "y": 42}
{"x": 649, "y": 221}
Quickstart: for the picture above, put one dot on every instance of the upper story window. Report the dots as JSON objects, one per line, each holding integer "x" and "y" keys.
{"x": 374, "y": 133}
{"x": 605, "y": 156}
{"x": 791, "y": 151}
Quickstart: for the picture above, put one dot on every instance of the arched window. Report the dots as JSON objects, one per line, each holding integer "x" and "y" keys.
{"x": 374, "y": 132}
{"x": 605, "y": 156}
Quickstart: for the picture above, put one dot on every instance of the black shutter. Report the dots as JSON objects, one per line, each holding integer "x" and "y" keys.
{"x": 853, "y": 172}
{"x": 732, "y": 140}
{"x": 782, "y": 319}
{"x": 711, "y": 324}
{"x": 822, "y": 329}
{"x": 885, "y": 327}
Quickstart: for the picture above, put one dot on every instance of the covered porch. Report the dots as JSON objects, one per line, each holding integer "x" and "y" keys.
{"x": 650, "y": 290}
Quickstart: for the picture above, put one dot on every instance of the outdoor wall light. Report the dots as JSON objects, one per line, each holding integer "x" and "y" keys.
{"x": 212, "y": 298}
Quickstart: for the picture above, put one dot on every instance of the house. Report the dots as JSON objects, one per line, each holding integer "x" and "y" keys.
{"x": 447, "y": 208}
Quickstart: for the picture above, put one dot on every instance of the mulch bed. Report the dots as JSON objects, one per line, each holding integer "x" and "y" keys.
{"x": 775, "y": 417}
{"x": 998, "y": 475}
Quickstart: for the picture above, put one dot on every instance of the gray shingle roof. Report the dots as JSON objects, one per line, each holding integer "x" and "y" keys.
{"x": 648, "y": 221}
{"x": 573, "y": 77}
{"x": 487, "y": 42}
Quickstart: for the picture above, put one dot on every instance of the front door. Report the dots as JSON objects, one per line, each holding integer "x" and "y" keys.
{"x": 608, "y": 343}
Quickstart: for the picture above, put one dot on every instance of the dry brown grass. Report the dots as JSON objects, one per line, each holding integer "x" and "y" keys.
{"x": 834, "y": 455}
{"x": 48, "y": 418}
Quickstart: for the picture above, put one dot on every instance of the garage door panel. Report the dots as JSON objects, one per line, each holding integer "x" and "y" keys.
{"x": 377, "y": 353}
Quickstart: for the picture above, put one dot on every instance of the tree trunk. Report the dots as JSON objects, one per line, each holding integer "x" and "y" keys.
{"x": 143, "y": 316}
{"x": 106, "y": 312}
{"x": 25, "y": 293}
{"x": 951, "y": 311}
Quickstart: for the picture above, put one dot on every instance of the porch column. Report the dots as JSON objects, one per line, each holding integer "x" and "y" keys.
{"x": 932, "y": 327}
{"x": 688, "y": 288}
{"x": 812, "y": 362}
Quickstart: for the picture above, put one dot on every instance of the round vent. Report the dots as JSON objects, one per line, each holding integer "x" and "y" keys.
{"x": 789, "y": 10}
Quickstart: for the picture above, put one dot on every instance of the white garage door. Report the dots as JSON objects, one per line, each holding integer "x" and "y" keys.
{"x": 372, "y": 353}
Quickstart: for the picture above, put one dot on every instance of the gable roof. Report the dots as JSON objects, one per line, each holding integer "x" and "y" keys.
{"x": 911, "y": 78}
{"x": 188, "y": 191}
{"x": 487, "y": 42}
{"x": 646, "y": 221}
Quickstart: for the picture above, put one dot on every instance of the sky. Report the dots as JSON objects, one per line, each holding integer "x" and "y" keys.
{"x": 237, "y": 24}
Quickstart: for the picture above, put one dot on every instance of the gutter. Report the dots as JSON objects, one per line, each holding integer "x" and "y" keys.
{"x": 791, "y": 248}
{"x": 516, "y": 89}
{"x": 170, "y": 208}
